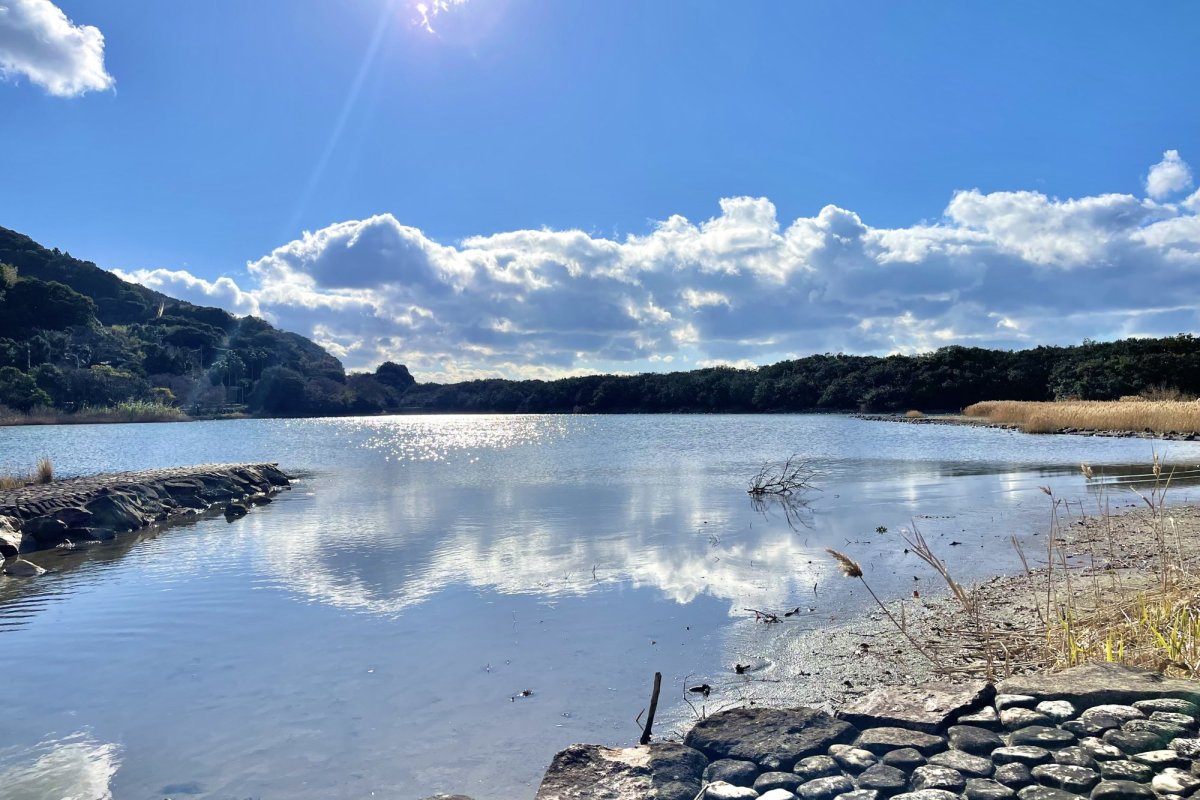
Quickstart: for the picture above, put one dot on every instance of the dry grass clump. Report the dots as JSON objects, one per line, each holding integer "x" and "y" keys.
{"x": 42, "y": 473}
{"x": 1152, "y": 416}
{"x": 131, "y": 411}
{"x": 912, "y": 413}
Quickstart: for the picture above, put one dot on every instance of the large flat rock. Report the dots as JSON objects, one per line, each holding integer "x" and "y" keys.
{"x": 1101, "y": 683}
{"x": 660, "y": 771}
{"x": 930, "y": 708}
{"x": 773, "y": 738}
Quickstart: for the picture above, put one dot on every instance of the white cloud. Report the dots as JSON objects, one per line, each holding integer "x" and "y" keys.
{"x": 999, "y": 269}
{"x": 39, "y": 42}
{"x": 1168, "y": 176}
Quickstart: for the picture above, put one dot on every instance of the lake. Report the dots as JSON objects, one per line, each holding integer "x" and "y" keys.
{"x": 374, "y": 631}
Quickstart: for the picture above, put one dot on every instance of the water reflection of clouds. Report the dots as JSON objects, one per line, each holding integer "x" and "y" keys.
{"x": 73, "y": 768}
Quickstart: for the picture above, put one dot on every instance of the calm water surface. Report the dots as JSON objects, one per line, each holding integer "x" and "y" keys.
{"x": 371, "y": 632}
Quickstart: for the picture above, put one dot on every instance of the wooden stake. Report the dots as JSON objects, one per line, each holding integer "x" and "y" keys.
{"x": 653, "y": 707}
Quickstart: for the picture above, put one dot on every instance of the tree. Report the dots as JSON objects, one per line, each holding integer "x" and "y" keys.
{"x": 19, "y": 391}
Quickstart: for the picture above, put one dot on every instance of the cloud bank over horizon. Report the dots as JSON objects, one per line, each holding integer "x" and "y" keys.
{"x": 999, "y": 269}
{"x": 39, "y": 42}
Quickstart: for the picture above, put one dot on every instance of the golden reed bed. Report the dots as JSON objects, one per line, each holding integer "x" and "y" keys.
{"x": 1132, "y": 414}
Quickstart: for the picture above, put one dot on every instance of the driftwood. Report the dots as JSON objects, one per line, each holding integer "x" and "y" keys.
{"x": 783, "y": 478}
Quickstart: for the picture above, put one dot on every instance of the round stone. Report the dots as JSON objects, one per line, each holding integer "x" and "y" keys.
{"x": 1123, "y": 770}
{"x": 1122, "y": 790}
{"x": 1175, "y": 781}
{"x": 1004, "y": 701}
{"x": 1057, "y": 710}
{"x": 1075, "y": 757}
{"x": 1093, "y": 726}
{"x": 882, "y": 740}
{"x": 1166, "y": 704}
{"x": 857, "y": 794}
{"x": 905, "y": 758}
{"x": 930, "y": 777}
{"x": 777, "y": 780}
{"x": 973, "y": 740}
{"x": 1123, "y": 713}
{"x": 1163, "y": 730}
{"x": 927, "y": 794}
{"x": 1160, "y": 759}
{"x": 1022, "y": 754}
{"x": 884, "y": 779}
{"x": 852, "y": 759}
{"x": 986, "y": 717}
{"x": 1172, "y": 718}
{"x": 826, "y": 788}
{"x": 1015, "y": 775}
{"x": 727, "y": 791}
{"x": 1188, "y": 748}
{"x": 777, "y": 794}
{"x": 815, "y": 767}
{"x": 1042, "y": 736}
{"x": 1014, "y": 718}
{"x": 969, "y": 765}
{"x": 1045, "y": 793}
{"x": 1098, "y": 749}
{"x": 986, "y": 789}
{"x": 731, "y": 770}
{"x": 1066, "y": 777}
{"x": 1132, "y": 741}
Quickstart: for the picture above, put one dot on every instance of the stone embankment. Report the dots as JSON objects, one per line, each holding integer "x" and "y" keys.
{"x": 1100, "y": 731}
{"x": 977, "y": 422}
{"x": 97, "y": 508}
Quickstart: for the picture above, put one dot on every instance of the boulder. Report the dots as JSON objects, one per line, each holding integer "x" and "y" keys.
{"x": 929, "y": 709}
{"x": 772, "y": 737}
{"x": 659, "y": 771}
{"x": 20, "y": 568}
{"x": 1101, "y": 683}
{"x": 118, "y": 512}
{"x": 10, "y": 537}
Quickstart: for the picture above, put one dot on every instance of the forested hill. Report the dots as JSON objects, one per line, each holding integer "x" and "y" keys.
{"x": 72, "y": 334}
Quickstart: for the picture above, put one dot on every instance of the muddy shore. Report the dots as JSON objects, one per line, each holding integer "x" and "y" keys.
{"x": 979, "y": 422}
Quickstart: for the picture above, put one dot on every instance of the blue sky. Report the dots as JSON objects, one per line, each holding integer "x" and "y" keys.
{"x": 472, "y": 190}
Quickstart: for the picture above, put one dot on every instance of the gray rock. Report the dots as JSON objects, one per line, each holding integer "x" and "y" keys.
{"x": 1057, "y": 710}
{"x": 1042, "y": 736}
{"x": 825, "y": 788}
{"x": 1066, "y": 777}
{"x": 927, "y": 794}
{"x": 713, "y": 791}
{"x": 1045, "y": 793}
{"x": 1160, "y": 759}
{"x": 1075, "y": 757}
{"x": 1022, "y": 754}
{"x": 1014, "y": 718}
{"x": 1165, "y": 731}
{"x": 1101, "y": 682}
{"x": 1133, "y": 742}
{"x": 777, "y": 794}
{"x": 882, "y": 740}
{"x": 984, "y": 718}
{"x": 815, "y": 767}
{"x": 973, "y": 740}
{"x": 1099, "y": 749}
{"x": 1166, "y": 704}
{"x": 119, "y": 512}
{"x": 1185, "y": 721}
{"x": 46, "y": 530}
{"x": 10, "y": 536}
{"x": 883, "y": 779}
{"x": 777, "y": 780}
{"x": 1124, "y": 770}
{"x": 1188, "y": 748}
{"x": 20, "y": 568}
{"x": 1015, "y": 775}
{"x": 1175, "y": 781}
{"x": 906, "y": 758}
{"x": 930, "y": 777}
{"x": 1014, "y": 700}
{"x": 858, "y": 794}
{"x": 852, "y": 759}
{"x": 731, "y": 770}
{"x": 1093, "y": 726}
{"x": 929, "y": 708}
{"x": 986, "y": 789}
{"x": 1122, "y": 790}
{"x": 969, "y": 765}
{"x": 1121, "y": 712}
{"x": 762, "y": 734}
{"x": 663, "y": 771}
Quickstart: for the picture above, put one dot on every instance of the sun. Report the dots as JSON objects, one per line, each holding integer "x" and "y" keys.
{"x": 428, "y": 11}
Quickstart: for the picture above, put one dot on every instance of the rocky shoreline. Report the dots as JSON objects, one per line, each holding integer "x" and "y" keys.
{"x": 1100, "y": 731}
{"x": 79, "y": 511}
{"x": 974, "y": 422}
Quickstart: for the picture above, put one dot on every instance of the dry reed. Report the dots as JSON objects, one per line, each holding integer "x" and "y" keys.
{"x": 1140, "y": 416}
